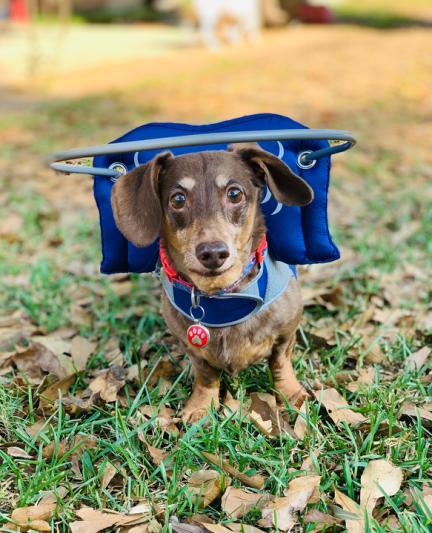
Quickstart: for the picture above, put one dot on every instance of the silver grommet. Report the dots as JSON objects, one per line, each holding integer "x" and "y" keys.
{"x": 120, "y": 168}
{"x": 305, "y": 164}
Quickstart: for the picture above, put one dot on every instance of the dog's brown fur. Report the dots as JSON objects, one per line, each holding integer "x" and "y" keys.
{"x": 145, "y": 206}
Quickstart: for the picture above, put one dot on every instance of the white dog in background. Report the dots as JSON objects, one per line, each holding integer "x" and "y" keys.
{"x": 240, "y": 17}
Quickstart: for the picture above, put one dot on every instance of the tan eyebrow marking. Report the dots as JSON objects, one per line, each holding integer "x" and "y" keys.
{"x": 221, "y": 180}
{"x": 187, "y": 183}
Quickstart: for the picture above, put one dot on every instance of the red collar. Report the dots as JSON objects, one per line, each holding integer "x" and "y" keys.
{"x": 257, "y": 258}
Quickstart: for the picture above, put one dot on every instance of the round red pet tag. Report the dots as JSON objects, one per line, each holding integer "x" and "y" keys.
{"x": 198, "y": 335}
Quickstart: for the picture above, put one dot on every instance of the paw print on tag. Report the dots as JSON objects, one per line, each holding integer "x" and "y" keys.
{"x": 198, "y": 335}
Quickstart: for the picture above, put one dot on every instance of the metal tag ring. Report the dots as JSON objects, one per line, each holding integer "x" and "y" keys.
{"x": 305, "y": 164}
{"x": 201, "y": 309}
{"x": 121, "y": 170}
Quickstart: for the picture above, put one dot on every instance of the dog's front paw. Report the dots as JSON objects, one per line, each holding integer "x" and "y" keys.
{"x": 199, "y": 405}
{"x": 292, "y": 392}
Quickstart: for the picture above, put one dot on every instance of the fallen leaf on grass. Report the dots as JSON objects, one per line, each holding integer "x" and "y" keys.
{"x": 337, "y": 407}
{"x": 206, "y": 486}
{"x": 81, "y": 350}
{"x": 37, "y": 359}
{"x": 267, "y": 417}
{"x": 34, "y": 517}
{"x": 164, "y": 417}
{"x": 75, "y": 446}
{"x": 107, "y": 383}
{"x": 417, "y": 359}
{"x": 374, "y": 354}
{"x": 377, "y": 475}
{"x": 216, "y": 528}
{"x": 281, "y": 512}
{"x": 410, "y": 409}
{"x": 108, "y": 474}
{"x": 157, "y": 455}
{"x": 237, "y": 502}
{"x": 321, "y": 519}
{"x": 112, "y": 351}
{"x": 53, "y": 391}
{"x": 300, "y": 425}
{"x": 366, "y": 376}
{"x": 93, "y": 520}
{"x": 10, "y": 227}
{"x": 231, "y": 405}
{"x": 53, "y": 496}
{"x": 18, "y": 453}
{"x": 354, "y": 524}
{"x": 244, "y": 528}
{"x": 256, "y": 481}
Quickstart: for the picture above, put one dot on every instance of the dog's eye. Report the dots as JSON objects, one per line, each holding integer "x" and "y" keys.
{"x": 234, "y": 195}
{"x": 178, "y": 200}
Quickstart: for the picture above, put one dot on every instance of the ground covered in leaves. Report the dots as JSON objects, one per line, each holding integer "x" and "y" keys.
{"x": 91, "y": 382}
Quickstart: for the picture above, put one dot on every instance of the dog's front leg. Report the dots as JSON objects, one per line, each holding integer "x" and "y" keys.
{"x": 285, "y": 382}
{"x": 205, "y": 392}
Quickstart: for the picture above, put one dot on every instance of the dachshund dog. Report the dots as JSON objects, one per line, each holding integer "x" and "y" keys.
{"x": 205, "y": 207}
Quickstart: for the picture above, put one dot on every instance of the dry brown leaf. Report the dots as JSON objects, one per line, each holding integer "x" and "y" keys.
{"x": 321, "y": 519}
{"x": 308, "y": 463}
{"x": 256, "y": 481}
{"x": 379, "y": 474}
{"x": 56, "y": 389}
{"x": 267, "y": 417}
{"x": 355, "y": 524}
{"x": 244, "y": 528}
{"x": 11, "y": 336}
{"x": 410, "y": 409}
{"x": 33, "y": 517}
{"x": 108, "y": 474}
{"x": 10, "y": 226}
{"x": 52, "y": 496}
{"x": 35, "y": 428}
{"x": 374, "y": 354}
{"x": 231, "y": 405}
{"x": 337, "y": 407}
{"x": 281, "y": 512}
{"x": 300, "y": 425}
{"x": 112, "y": 351}
{"x": 164, "y": 417}
{"x": 417, "y": 359}
{"x": 94, "y": 520}
{"x": 157, "y": 455}
{"x": 19, "y": 453}
{"x": 108, "y": 383}
{"x": 37, "y": 359}
{"x": 206, "y": 486}
{"x": 237, "y": 502}
{"x": 366, "y": 376}
{"x": 76, "y": 446}
{"x": 81, "y": 349}
{"x": 216, "y": 528}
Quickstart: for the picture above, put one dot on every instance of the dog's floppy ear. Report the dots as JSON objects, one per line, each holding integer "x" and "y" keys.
{"x": 286, "y": 187}
{"x": 135, "y": 202}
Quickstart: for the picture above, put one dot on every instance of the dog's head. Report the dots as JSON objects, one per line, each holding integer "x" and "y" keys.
{"x": 206, "y": 208}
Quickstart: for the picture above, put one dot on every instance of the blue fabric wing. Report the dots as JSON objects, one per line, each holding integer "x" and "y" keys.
{"x": 296, "y": 235}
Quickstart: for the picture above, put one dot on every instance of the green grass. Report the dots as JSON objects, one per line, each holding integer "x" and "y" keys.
{"x": 50, "y": 289}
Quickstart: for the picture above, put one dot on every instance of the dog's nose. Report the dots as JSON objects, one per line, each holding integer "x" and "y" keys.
{"x": 212, "y": 254}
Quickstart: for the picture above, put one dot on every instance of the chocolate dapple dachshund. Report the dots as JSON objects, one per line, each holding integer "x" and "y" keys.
{"x": 205, "y": 207}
